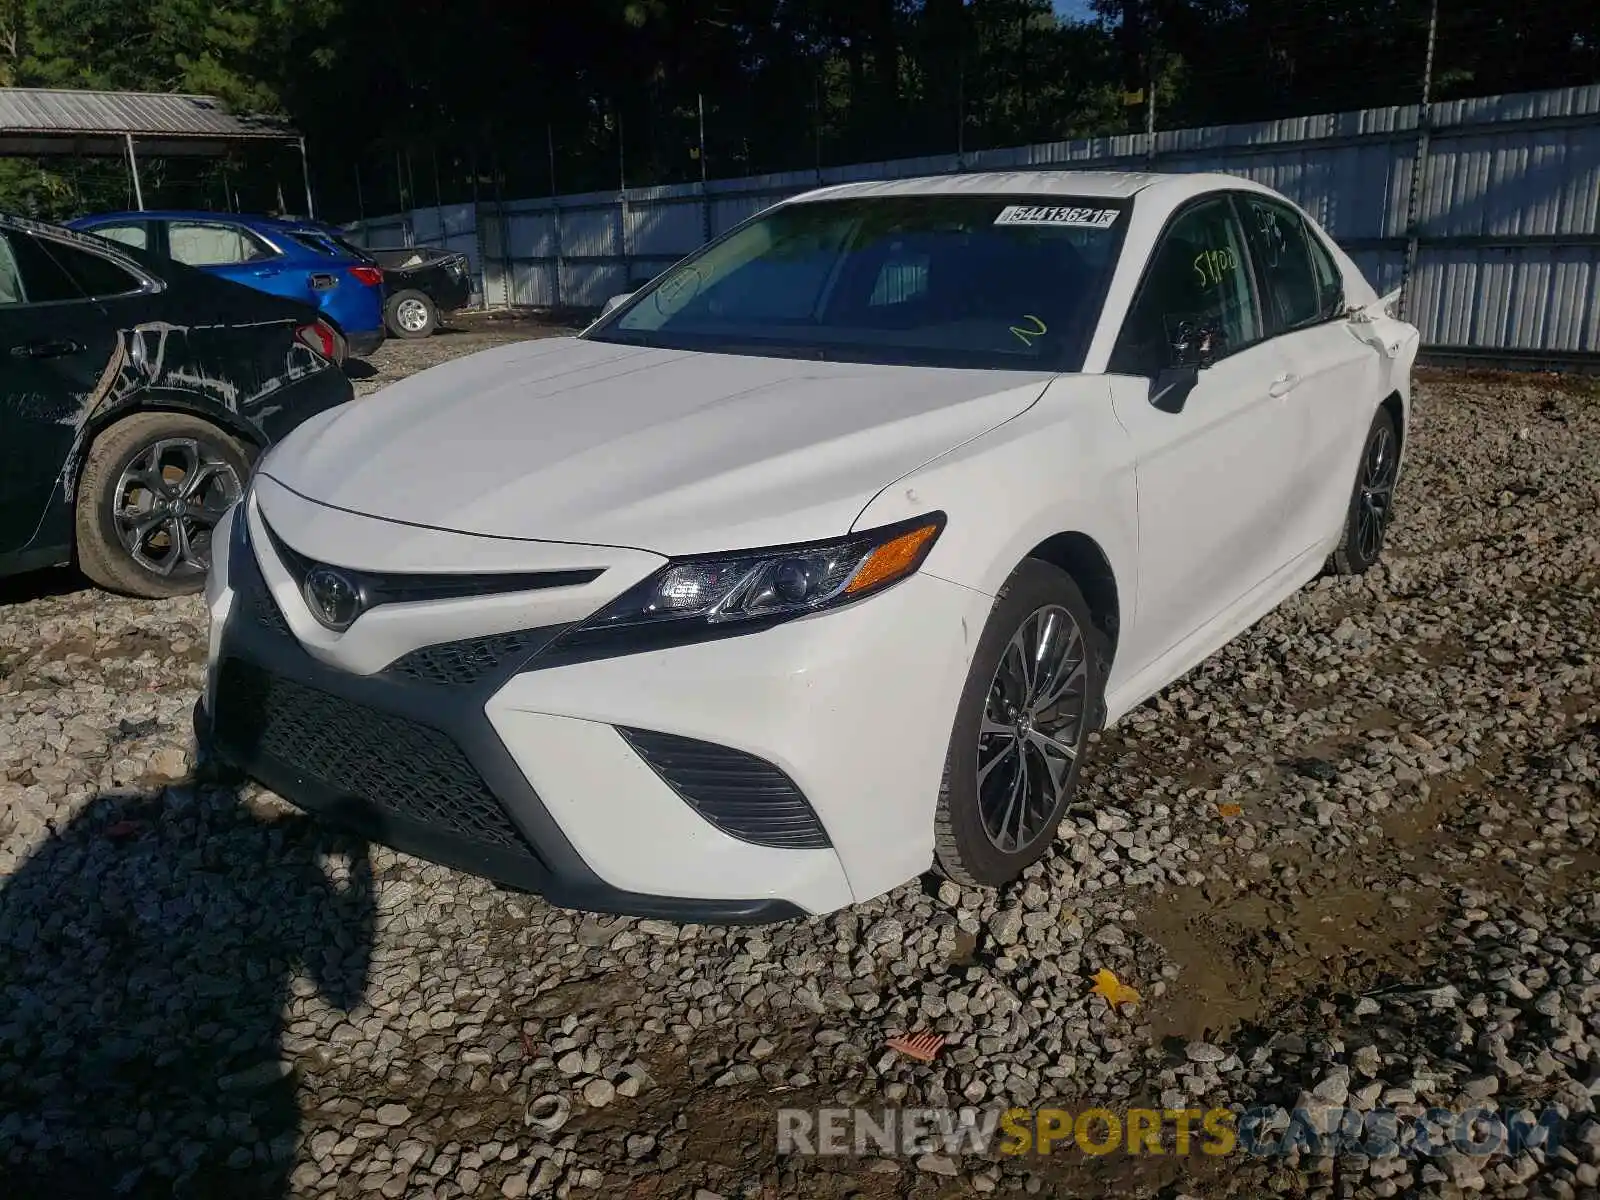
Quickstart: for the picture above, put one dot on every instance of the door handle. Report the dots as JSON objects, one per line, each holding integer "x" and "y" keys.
{"x": 47, "y": 348}
{"x": 1284, "y": 384}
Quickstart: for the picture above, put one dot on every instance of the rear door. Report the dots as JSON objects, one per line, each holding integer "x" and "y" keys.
{"x": 235, "y": 253}
{"x": 1334, "y": 377}
{"x": 1215, "y": 478}
{"x": 58, "y": 352}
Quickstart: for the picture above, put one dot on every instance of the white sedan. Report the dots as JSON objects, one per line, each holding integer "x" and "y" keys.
{"x": 812, "y": 565}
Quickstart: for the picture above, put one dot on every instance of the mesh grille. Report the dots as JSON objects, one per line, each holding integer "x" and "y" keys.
{"x": 266, "y": 612}
{"x": 467, "y": 661}
{"x": 392, "y": 764}
{"x": 744, "y": 796}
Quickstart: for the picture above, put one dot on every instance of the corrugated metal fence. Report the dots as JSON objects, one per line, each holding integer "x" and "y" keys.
{"x": 1503, "y": 227}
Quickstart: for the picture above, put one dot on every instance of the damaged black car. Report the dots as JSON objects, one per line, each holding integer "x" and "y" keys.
{"x": 134, "y": 395}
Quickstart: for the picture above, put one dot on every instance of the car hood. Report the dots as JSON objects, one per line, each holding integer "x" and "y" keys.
{"x": 580, "y": 441}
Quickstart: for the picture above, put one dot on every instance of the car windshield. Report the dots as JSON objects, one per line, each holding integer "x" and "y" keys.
{"x": 935, "y": 280}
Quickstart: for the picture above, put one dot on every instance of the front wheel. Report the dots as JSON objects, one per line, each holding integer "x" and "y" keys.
{"x": 1372, "y": 500}
{"x": 1033, "y": 696}
{"x": 410, "y": 314}
{"x": 152, "y": 490}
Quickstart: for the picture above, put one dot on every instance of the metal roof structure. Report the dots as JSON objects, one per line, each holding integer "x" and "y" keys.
{"x": 46, "y": 121}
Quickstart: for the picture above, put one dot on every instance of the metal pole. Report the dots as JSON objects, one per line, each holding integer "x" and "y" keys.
{"x": 1150, "y": 114}
{"x": 700, "y": 99}
{"x": 438, "y": 199}
{"x": 133, "y": 169}
{"x": 555, "y": 221}
{"x": 305, "y": 174}
{"x": 1419, "y": 165}
{"x": 622, "y": 197}
{"x": 705, "y": 196}
{"x": 361, "y": 204}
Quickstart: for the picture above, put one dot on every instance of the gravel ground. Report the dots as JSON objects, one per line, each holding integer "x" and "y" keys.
{"x": 1350, "y": 860}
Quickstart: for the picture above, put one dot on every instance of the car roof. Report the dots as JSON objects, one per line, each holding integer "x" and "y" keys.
{"x": 1095, "y": 185}
{"x": 180, "y": 214}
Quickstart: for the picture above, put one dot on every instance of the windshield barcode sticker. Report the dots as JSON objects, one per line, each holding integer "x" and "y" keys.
{"x": 1076, "y": 218}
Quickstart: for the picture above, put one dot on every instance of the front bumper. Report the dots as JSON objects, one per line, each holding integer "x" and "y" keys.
{"x": 526, "y": 773}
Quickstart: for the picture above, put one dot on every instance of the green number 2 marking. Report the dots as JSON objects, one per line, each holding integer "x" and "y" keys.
{"x": 1026, "y": 336}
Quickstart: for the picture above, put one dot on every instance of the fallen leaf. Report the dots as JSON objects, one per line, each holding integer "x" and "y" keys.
{"x": 1229, "y": 810}
{"x": 1113, "y": 989}
{"x": 124, "y": 829}
{"x": 920, "y": 1046}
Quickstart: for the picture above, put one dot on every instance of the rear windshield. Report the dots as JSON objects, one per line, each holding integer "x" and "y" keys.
{"x": 965, "y": 281}
{"x": 327, "y": 243}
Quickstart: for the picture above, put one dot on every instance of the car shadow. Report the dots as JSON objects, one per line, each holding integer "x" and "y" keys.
{"x": 41, "y": 585}
{"x": 359, "y": 368}
{"x": 147, "y": 951}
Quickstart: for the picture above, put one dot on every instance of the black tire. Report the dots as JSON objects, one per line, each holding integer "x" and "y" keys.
{"x": 104, "y": 489}
{"x": 410, "y": 314}
{"x": 964, "y": 849}
{"x": 1371, "y": 499}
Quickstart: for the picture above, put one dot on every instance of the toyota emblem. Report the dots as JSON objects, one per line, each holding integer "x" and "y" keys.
{"x": 332, "y": 598}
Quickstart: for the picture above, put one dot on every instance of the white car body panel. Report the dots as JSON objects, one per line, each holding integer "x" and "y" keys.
{"x": 567, "y": 454}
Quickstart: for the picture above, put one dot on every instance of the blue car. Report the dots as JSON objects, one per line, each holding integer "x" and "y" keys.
{"x": 303, "y": 260}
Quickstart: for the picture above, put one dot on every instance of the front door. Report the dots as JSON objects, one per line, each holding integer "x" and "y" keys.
{"x": 56, "y": 349}
{"x": 1215, "y": 477}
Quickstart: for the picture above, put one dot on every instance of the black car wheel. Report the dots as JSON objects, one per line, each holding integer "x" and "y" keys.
{"x": 410, "y": 314}
{"x": 1372, "y": 500}
{"x": 152, "y": 490}
{"x": 1033, "y": 697}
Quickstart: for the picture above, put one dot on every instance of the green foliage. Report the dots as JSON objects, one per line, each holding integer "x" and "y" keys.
{"x": 412, "y": 99}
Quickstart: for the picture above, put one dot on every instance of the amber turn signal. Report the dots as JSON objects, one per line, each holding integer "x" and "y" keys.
{"x": 893, "y": 559}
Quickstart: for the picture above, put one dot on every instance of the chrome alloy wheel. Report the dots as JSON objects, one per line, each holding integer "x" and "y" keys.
{"x": 1033, "y": 727}
{"x": 1377, "y": 493}
{"x": 168, "y": 499}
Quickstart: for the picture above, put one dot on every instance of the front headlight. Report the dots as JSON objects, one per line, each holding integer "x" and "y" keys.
{"x": 690, "y": 599}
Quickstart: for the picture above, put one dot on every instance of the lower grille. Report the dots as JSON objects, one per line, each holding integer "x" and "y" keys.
{"x": 466, "y": 662}
{"x": 389, "y": 763}
{"x": 266, "y": 612}
{"x": 744, "y": 796}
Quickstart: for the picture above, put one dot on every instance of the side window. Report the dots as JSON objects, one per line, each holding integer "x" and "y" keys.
{"x": 95, "y": 275}
{"x": 137, "y": 236}
{"x": 202, "y": 244}
{"x": 1330, "y": 283}
{"x": 29, "y": 275}
{"x": 1292, "y": 297}
{"x": 1197, "y": 292}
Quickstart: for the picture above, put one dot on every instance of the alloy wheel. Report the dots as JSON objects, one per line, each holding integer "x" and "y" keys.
{"x": 1032, "y": 728}
{"x": 1377, "y": 493}
{"x": 168, "y": 500}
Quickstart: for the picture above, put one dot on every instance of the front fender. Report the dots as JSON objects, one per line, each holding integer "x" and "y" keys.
{"x": 1064, "y": 466}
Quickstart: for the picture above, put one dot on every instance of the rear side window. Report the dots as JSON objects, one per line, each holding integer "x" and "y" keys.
{"x": 95, "y": 275}
{"x": 202, "y": 244}
{"x": 1196, "y": 291}
{"x": 136, "y": 235}
{"x": 1292, "y": 297}
{"x": 29, "y": 275}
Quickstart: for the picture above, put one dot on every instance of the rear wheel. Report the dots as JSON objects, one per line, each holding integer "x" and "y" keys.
{"x": 1372, "y": 501}
{"x": 1033, "y": 697}
{"x": 410, "y": 314}
{"x": 153, "y": 488}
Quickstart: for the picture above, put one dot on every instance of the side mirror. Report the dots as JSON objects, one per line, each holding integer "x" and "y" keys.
{"x": 1171, "y": 388}
{"x": 615, "y": 303}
